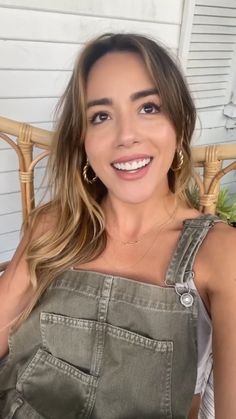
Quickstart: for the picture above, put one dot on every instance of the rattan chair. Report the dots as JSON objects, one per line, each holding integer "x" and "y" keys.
{"x": 210, "y": 158}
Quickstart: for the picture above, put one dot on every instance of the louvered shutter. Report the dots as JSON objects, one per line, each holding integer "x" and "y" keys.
{"x": 209, "y": 64}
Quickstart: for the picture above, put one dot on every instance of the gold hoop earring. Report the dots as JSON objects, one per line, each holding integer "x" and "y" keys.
{"x": 85, "y": 175}
{"x": 180, "y": 160}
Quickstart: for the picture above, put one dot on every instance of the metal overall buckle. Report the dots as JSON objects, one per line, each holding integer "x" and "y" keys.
{"x": 186, "y": 297}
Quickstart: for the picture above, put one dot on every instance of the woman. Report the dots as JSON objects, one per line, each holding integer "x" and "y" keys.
{"x": 112, "y": 288}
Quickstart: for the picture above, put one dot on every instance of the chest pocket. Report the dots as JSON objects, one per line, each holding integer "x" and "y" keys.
{"x": 87, "y": 369}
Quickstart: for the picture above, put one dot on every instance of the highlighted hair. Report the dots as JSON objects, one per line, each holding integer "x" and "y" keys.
{"x": 77, "y": 232}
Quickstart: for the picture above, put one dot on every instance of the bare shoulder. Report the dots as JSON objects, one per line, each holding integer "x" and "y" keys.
{"x": 221, "y": 251}
{"x": 217, "y": 254}
{"x": 221, "y": 242}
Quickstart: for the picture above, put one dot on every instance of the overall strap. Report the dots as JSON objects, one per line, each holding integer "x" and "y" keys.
{"x": 193, "y": 234}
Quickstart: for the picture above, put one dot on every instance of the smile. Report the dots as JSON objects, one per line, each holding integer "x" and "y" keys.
{"x": 133, "y": 165}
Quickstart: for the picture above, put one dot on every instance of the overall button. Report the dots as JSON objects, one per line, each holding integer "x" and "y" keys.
{"x": 186, "y": 299}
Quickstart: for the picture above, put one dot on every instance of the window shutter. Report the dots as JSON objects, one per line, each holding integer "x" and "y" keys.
{"x": 209, "y": 65}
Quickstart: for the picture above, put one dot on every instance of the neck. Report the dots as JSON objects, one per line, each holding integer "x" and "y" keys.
{"x": 129, "y": 221}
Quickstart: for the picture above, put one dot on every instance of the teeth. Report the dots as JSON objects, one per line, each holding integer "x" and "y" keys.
{"x": 134, "y": 165}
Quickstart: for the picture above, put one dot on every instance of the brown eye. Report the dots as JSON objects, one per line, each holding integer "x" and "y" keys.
{"x": 99, "y": 117}
{"x": 150, "y": 108}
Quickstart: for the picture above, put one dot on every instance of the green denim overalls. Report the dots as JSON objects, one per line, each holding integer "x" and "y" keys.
{"x": 105, "y": 347}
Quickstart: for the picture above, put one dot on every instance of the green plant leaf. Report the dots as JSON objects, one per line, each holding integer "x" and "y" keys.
{"x": 225, "y": 206}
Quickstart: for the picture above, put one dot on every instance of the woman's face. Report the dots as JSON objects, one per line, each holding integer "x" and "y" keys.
{"x": 130, "y": 142}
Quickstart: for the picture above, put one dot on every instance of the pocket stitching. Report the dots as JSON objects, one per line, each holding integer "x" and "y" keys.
{"x": 136, "y": 338}
{"x": 115, "y": 331}
{"x": 57, "y": 363}
{"x": 53, "y": 318}
{"x": 89, "y": 381}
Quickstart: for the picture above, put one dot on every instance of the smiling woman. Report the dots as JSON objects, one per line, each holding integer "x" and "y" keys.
{"x": 108, "y": 306}
{"x": 129, "y": 135}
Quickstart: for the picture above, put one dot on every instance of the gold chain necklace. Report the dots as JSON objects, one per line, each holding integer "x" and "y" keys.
{"x": 161, "y": 228}
{"x": 132, "y": 242}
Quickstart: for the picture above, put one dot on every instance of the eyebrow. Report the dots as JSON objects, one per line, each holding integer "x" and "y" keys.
{"x": 134, "y": 96}
{"x": 144, "y": 93}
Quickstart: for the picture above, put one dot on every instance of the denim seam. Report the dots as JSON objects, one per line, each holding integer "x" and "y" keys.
{"x": 76, "y": 291}
{"x": 62, "y": 366}
{"x": 51, "y": 318}
{"x": 190, "y": 240}
{"x": 168, "y": 308}
{"x": 189, "y": 258}
{"x": 143, "y": 341}
{"x": 10, "y": 355}
{"x": 99, "y": 343}
{"x": 168, "y": 377}
{"x": 27, "y": 371}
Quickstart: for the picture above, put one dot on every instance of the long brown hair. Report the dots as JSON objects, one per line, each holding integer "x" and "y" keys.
{"x": 78, "y": 235}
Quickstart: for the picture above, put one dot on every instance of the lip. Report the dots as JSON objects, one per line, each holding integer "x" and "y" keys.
{"x": 124, "y": 159}
{"x": 134, "y": 175}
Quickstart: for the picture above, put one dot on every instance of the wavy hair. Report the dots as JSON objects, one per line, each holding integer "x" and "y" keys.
{"x": 77, "y": 234}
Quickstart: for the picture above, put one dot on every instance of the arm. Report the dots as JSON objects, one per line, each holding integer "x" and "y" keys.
{"x": 15, "y": 292}
{"x": 194, "y": 410}
{"x": 222, "y": 296}
{"x": 15, "y": 285}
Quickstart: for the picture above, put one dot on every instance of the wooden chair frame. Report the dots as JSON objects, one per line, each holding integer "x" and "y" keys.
{"x": 210, "y": 158}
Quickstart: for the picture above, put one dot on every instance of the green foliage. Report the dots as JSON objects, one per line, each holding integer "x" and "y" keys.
{"x": 225, "y": 207}
{"x": 193, "y": 195}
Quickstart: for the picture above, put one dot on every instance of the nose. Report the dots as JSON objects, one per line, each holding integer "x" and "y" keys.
{"x": 127, "y": 134}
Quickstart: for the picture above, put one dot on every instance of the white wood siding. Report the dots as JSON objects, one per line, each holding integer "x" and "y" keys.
{"x": 207, "y": 51}
{"x": 39, "y": 40}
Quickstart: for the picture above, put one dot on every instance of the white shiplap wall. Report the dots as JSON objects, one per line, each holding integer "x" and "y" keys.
{"x": 38, "y": 43}
{"x": 208, "y": 55}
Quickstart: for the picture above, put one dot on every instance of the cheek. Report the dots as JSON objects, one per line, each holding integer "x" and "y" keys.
{"x": 165, "y": 136}
{"x": 96, "y": 151}
{"x": 166, "y": 129}
{"x": 88, "y": 145}
{"x": 92, "y": 145}
{"x": 98, "y": 142}
{"x": 161, "y": 127}
{"x": 167, "y": 143}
